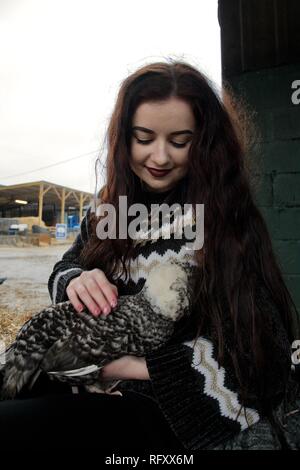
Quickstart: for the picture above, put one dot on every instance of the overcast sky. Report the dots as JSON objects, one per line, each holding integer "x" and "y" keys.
{"x": 62, "y": 62}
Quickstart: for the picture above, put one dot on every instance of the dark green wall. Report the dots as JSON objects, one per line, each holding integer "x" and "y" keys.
{"x": 277, "y": 154}
{"x": 260, "y": 43}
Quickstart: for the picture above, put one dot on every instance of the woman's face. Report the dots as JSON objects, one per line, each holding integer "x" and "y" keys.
{"x": 162, "y": 132}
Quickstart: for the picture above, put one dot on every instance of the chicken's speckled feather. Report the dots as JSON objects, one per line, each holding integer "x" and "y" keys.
{"x": 59, "y": 339}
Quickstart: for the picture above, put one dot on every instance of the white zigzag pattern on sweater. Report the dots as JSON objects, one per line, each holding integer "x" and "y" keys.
{"x": 137, "y": 271}
{"x": 230, "y": 407}
{"x": 166, "y": 229}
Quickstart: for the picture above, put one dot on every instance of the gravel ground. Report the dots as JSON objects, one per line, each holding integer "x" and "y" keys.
{"x": 25, "y": 291}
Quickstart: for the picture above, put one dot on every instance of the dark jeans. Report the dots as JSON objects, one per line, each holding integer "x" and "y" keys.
{"x": 56, "y": 418}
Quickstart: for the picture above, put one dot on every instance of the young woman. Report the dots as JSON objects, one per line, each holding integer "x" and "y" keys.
{"x": 227, "y": 367}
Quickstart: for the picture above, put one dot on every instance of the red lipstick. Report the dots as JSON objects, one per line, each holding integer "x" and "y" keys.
{"x": 157, "y": 173}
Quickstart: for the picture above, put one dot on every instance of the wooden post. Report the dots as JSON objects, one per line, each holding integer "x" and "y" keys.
{"x": 41, "y": 197}
{"x": 80, "y": 207}
{"x": 62, "y": 207}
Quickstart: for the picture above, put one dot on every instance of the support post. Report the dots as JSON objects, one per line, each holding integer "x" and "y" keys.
{"x": 41, "y": 197}
{"x": 62, "y": 206}
{"x": 80, "y": 207}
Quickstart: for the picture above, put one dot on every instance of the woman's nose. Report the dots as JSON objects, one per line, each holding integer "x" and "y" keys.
{"x": 160, "y": 154}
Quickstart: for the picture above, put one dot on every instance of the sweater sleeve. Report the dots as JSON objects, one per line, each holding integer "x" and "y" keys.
{"x": 196, "y": 396}
{"x": 200, "y": 399}
{"x": 68, "y": 267}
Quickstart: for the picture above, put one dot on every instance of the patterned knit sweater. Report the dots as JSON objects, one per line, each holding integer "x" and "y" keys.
{"x": 199, "y": 398}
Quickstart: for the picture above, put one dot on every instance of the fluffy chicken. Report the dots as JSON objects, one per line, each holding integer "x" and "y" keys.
{"x": 73, "y": 347}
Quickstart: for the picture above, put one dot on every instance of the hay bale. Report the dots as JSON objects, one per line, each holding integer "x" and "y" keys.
{"x": 10, "y": 323}
{"x": 30, "y": 221}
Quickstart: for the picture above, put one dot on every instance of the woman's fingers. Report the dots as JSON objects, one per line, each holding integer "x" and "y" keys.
{"x": 93, "y": 290}
{"x": 109, "y": 291}
{"x": 73, "y": 297}
{"x": 98, "y": 296}
{"x": 78, "y": 293}
{"x": 115, "y": 290}
{"x": 88, "y": 300}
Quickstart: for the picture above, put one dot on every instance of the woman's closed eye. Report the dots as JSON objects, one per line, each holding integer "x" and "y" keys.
{"x": 175, "y": 144}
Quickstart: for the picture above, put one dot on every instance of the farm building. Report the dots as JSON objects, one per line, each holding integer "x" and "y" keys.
{"x": 46, "y": 202}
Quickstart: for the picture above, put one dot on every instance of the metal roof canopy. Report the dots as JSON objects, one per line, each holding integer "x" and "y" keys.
{"x": 44, "y": 192}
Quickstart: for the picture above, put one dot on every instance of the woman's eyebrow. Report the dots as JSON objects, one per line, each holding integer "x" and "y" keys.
{"x": 185, "y": 131}
{"x": 144, "y": 129}
{"x": 149, "y": 131}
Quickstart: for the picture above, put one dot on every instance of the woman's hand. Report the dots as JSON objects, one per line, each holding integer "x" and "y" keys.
{"x": 125, "y": 368}
{"x": 92, "y": 289}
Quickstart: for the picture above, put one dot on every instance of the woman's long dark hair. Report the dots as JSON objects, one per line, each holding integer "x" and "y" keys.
{"x": 237, "y": 257}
